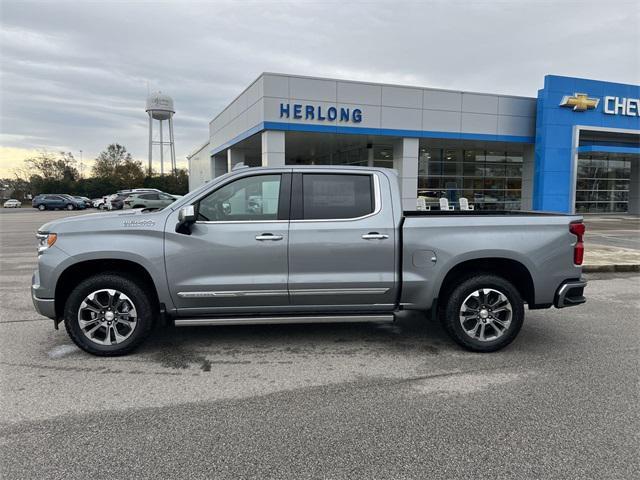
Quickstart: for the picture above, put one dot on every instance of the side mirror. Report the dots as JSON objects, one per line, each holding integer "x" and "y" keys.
{"x": 187, "y": 214}
{"x": 186, "y": 217}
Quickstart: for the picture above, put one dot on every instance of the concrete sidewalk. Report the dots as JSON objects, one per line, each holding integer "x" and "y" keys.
{"x": 612, "y": 243}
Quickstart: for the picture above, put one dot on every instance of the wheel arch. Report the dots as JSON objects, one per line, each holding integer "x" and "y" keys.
{"x": 77, "y": 272}
{"x": 509, "y": 269}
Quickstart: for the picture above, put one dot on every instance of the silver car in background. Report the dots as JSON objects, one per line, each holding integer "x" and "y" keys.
{"x": 154, "y": 200}
{"x": 12, "y": 203}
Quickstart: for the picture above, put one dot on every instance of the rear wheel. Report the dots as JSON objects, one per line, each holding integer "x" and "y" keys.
{"x": 108, "y": 315}
{"x": 484, "y": 313}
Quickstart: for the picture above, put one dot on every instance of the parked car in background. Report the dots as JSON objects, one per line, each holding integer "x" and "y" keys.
{"x": 114, "y": 202}
{"x": 150, "y": 200}
{"x": 98, "y": 202}
{"x": 59, "y": 201}
{"x": 138, "y": 190}
{"x": 12, "y": 203}
{"x": 87, "y": 201}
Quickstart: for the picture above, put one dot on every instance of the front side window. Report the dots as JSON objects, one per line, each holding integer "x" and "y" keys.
{"x": 246, "y": 199}
{"x": 336, "y": 196}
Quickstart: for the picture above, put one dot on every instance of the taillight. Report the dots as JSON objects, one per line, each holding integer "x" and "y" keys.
{"x": 578, "y": 230}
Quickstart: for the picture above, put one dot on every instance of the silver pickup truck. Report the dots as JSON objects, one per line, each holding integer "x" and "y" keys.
{"x": 302, "y": 245}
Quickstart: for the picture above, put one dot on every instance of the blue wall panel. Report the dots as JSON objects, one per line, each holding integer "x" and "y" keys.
{"x": 553, "y": 173}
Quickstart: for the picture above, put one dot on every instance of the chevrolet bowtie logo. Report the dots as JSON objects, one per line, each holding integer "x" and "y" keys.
{"x": 580, "y": 102}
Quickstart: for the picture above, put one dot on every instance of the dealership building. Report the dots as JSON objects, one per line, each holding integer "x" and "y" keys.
{"x": 573, "y": 148}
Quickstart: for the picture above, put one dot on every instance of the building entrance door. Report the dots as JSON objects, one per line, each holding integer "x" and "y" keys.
{"x": 607, "y": 182}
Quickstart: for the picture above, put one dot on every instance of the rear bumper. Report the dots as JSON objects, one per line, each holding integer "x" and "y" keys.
{"x": 570, "y": 294}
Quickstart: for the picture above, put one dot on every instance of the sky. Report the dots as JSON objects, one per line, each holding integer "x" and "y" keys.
{"x": 75, "y": 74}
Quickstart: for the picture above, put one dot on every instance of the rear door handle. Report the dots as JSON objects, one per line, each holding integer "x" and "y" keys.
{"x": 375, "y": 236}
{"x": 268, "y": 237}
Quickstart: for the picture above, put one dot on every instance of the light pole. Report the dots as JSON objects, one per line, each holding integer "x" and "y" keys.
{"x": 81, "y": 165}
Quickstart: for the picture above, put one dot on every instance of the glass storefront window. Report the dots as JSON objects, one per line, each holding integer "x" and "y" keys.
{"x": 603, "y": 183}
{"x": 383, "y": 156}
{"x": 488, "y": 179}
{"x": 496, "y": 157}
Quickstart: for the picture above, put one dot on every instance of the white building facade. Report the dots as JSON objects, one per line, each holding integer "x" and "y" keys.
{"x": 443, "y": 143}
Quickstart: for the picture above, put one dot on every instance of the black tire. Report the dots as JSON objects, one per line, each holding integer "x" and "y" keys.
{"x": 69, "y": 206}
{"x": 42, "y": 207}
{"x": 451, "y": 314}
{"x": 134, "y": 289}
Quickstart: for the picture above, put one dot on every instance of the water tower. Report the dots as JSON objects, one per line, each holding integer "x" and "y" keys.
{"x": 160, "y": 107}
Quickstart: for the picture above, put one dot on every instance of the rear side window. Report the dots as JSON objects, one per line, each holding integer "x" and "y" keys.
{"x": 336, "y": 196}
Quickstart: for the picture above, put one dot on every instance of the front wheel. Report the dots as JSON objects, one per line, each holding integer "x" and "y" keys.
{"x": 42, "y": 208}
{"x": 109, "y": 315}
{"x": 484, "y": 313}
{"x": 69, "y": 207}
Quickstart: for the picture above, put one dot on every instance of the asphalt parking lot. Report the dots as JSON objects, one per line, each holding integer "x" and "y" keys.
{"x": 622, "y": 231}
{"x": 326, "y": 401}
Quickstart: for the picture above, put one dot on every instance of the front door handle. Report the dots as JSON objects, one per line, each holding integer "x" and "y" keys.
{"x": 268, "y": 237}
{"x": 375, "y": 236}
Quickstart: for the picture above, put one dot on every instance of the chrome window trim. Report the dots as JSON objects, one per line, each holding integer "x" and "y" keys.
{"x": 225, "y": 222}
{"x": 316, "y": 170}
{"x": 376, "y": 195}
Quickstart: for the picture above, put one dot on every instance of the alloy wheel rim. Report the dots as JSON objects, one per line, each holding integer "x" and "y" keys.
{"x": 107, "y": 317}
{"x": 486, "y": 314}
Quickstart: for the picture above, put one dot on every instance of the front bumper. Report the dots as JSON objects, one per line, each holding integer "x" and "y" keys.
{"x": 570, "y": 293}
{"x": 44, "y": 306}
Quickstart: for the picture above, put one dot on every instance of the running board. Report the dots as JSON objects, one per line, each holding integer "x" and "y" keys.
{"x": 198, "y": 321}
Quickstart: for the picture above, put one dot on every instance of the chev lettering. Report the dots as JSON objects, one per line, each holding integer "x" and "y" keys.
{"x": 298, "y": 111}
{"x": 622, "y": 106}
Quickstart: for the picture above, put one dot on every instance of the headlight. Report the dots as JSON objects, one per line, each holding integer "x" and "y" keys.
{"x": 45, "y": 240}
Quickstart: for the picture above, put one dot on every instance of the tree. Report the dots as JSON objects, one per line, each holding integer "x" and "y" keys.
{"x": 117, "y": 165}
{"x": 177, "y": 184}
{"x": 115, "y": 169}
{"x": 109, "y": 159}
{"x": 53, "y": 167}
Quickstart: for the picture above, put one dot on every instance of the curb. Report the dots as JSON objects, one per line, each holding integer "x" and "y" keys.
{"x": 611, "y": 268}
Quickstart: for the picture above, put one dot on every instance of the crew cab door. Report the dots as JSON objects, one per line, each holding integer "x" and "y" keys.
{"x": 235, "y": 257}
{"x": 341, "y": 242}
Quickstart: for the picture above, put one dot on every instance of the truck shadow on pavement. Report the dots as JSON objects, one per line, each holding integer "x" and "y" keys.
{"x": 182, "y": 347}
